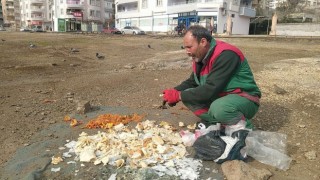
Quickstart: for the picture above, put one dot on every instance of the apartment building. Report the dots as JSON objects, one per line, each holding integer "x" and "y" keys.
{"x": 1, "y": 14}
{"x": 16, "y": 6}
{"x": 33, "y": 13}
{"x": 8, "y": 13}
{"x": 65, "y": 15}
{"x": 165, "y": 15}
{"x": 273, "y": 4}
{"x": 82, "y": 15}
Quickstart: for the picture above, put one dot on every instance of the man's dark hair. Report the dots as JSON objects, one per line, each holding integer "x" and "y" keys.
{"x": 200, "y": 32}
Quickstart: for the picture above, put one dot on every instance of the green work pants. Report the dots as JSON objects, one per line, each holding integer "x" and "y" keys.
{"x": 229, "y": 110}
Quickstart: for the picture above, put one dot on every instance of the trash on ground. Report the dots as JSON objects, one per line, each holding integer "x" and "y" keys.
{"x": 146, "y": 146}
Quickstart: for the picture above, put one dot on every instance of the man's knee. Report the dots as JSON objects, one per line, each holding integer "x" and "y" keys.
{"x": 224, "y": 112}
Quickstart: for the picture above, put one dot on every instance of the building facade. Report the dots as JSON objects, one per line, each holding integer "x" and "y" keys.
{"x": 65, "y": 15}
{"x": 82, "y": 15}
{"x": 165, "y": 15}
{"x": 1, "y": 15}
{"x": 273, "y": 4}
{"x": 8, "y": 13}
{"x": 33, "y": 13}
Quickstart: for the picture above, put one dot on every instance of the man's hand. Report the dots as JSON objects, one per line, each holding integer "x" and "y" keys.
{"x": 171, "y": 96}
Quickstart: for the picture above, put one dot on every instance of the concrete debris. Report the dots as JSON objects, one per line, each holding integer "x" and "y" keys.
{"x": 311, "y": 155}
{"x": 239, "y": 170}
{"x": 83, "y": 107}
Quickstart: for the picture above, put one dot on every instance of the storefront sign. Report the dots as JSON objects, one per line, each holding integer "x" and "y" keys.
{"x": 36, "y": 23}
{"x": 77, "y": 14}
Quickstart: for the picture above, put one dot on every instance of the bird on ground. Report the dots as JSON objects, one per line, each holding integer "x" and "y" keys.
{"x": 31, "y": 45}
{"x": 74, "y": 50}
{"x": 182, "y": 47}
{"x": 99, "y": 56}
{"x": 3, "y": 40}
{"x": 149, "y": 46}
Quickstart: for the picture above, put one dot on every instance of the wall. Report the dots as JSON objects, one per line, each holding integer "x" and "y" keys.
{"x": 305, "y": 29}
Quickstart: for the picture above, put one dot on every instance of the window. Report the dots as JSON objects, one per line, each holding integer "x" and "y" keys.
{"x": 91, "y": 12}
{"x": 144, "y": 4}
{"x": 73, "y": 1}
{"x": 61, "y": 11}
{"x": 61, "y": 1}
{"x": 159, "y": 3}
{"x": 98, "y": 14}
{"x": 235, "y": 2}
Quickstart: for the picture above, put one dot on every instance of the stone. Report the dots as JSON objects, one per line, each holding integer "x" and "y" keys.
{"x": 239, "y": 170}
{"x": 129, "y": 66}
{"x": 83, "y": 107}
{"x": 311, "y": 155}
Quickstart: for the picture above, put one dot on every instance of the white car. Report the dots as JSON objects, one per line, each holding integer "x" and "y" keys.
{"x": 25, "y": 29}
{"x": 132, "y": 30}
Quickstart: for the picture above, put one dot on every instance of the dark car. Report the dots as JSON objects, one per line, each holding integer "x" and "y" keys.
{"x": 37, "y": 29}
{"x": 111, "y": 31}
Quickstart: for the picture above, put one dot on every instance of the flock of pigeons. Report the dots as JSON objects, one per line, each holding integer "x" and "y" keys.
{"x": 72, "y": 50}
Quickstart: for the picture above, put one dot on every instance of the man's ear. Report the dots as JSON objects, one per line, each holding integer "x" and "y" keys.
{"x": 203, "y": 42}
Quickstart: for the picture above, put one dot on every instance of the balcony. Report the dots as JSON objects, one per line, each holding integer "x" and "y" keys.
{"x": 37, "y": 1}
{"x": 175, "y": 6}
{"x": 10, "y": 14}
{"x": 93, "y": 18}
{"x": 126, "y": 1}
{"x": 75, "y": 4}
{"x": 36, "y": 9}
{"x": 36, "y": 18}
{"x": 10, "y": 7}
{"x": 127, "y": 14}
{"x": 248, "y": 12}
{"x": 127, "y": 9}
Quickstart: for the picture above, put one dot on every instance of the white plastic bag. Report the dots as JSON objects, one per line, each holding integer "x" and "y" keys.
{"x": 188, "y": 138}
{"x": 268, "y": 148}
{"x": 241, "y": 125}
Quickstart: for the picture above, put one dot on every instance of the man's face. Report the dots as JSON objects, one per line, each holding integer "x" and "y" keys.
{"x": 195, "y": 50}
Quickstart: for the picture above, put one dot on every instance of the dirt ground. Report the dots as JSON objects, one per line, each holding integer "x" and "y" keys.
{"x": 39, "y": 86}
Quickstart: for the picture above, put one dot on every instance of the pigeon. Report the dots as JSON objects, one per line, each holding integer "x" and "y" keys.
{"x": 149, "y": 46}
{"x": 279, "y": 90}
{"x": 31, "y": 45}
{"x": 3, "y": 40}
{"x": 182, "y": 47}
{"x": 99, "y": 56}
{"x": 74, "y": 50}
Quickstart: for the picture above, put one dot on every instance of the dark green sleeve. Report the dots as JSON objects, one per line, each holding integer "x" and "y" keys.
{"x": 222, "y": 70}
{"x": 189, "y": 83}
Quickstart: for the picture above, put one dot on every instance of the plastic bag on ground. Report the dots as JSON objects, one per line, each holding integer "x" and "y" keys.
{"x": 209, "y": 146}
{"x": 188, "y": 138}
{"x": 230, "y": 129}
{"x": 268, "y": 148}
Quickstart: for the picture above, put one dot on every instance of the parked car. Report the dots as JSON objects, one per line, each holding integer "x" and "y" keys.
{"x": 112, "y": 30}
{"x": 25, "y": 29}
{"x": 37, "y": 29}
{"x": 132, "y": 30}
